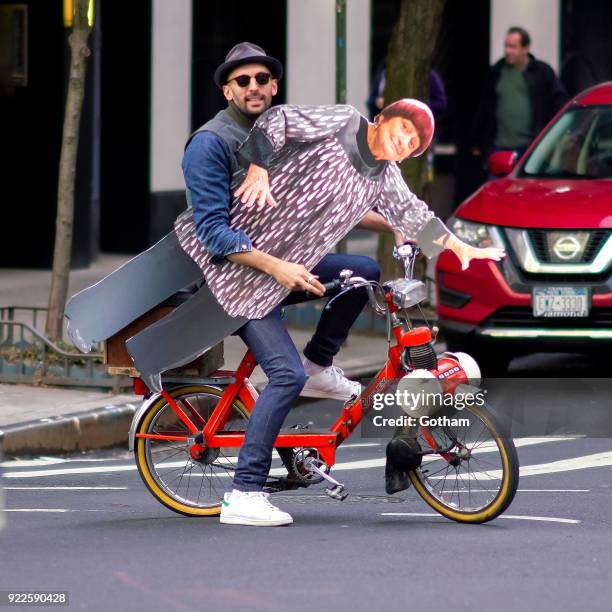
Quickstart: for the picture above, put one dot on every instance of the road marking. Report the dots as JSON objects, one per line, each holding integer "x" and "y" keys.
{"x": 588, "y": 461}
{"x": 44, "y": 461}
{"x": 534, "y": 490}
{"x": 47, "y": 461}
{"x": 62, "y": 488}
{"x": 567, "y": 465}
{"x": 521, "y": 442}
{"x": 39, "y": 510}
{"x": 359, "y": 445}
{"x": 65, "y": 471}
{"x": 547, "y": 519}
{"x": 54, "y": 510}
{"x": 29, "y": 462}
{"x": 563, "y": 465}
{"x": 485, "y": 448}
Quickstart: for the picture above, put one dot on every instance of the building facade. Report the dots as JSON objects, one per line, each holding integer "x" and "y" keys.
{"x": 149, "y": 85}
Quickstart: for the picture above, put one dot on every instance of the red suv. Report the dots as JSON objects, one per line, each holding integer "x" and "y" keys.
{"x": 552, "y": 212}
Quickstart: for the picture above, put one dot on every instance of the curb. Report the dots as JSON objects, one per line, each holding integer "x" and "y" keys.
{"x": 81, "y": 431}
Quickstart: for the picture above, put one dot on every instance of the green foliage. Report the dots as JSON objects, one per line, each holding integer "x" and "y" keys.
{"x": 37, "y": 354}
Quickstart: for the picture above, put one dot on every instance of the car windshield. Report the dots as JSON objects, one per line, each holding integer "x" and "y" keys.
{"x": 577, "y": 146}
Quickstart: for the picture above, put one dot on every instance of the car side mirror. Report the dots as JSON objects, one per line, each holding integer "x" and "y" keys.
{"x": 502, "y": 162}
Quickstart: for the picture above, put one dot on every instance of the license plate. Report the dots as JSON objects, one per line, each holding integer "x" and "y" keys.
{"x": 560, "y": 302}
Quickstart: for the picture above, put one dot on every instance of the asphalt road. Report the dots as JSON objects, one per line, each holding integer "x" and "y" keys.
{"x": 87, "y": 525}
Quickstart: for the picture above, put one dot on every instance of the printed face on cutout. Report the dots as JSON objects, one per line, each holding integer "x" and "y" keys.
{"x": 397, "y": 138}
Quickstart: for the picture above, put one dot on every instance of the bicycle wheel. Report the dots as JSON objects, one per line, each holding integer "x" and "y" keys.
{"x": 183, "y": 484}
{"x": 476, "y": 479}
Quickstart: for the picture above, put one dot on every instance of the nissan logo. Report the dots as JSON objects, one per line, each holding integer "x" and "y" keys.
{"x": 566, "y": 247}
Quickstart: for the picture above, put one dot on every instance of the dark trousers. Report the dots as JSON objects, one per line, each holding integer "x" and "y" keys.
{"x": 334, "y": 325}
{"x": 275, "y": 352}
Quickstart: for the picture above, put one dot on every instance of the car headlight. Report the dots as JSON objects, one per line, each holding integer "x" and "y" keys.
{"x": 475, "y": 234}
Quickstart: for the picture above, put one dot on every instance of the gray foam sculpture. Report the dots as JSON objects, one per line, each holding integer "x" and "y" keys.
{"x": 100, "y": 311}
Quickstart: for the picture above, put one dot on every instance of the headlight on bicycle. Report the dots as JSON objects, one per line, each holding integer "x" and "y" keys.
{"x": 476, "y": 234}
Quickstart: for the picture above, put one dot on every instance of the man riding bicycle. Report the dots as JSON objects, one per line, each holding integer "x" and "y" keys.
{"x": 249, "y": 80}
{"x": 327, "y": 167}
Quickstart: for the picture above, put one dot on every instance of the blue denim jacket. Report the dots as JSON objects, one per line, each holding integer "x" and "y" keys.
{"x": 208, "y": 172}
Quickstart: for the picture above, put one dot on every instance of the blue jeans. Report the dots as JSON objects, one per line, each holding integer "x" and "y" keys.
{"x": 275, "y": 352}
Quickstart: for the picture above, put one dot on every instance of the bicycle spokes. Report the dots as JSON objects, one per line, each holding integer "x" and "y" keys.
{"x": 188, "y": 482}
{"x": 468, "y": 468}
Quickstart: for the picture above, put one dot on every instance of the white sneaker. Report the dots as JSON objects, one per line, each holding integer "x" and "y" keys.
{"x": 251, "y": 508}
{"x": 331, "y": 383}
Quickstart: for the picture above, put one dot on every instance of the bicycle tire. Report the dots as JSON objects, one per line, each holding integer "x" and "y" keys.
{"x": 508, "y": 481}
{"x": 151, "y": 474}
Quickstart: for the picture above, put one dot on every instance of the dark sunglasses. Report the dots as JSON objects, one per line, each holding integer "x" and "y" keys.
{"x": 244, "y": 80}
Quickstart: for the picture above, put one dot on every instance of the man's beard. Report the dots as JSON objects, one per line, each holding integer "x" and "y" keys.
{"x": 254, "y": 115}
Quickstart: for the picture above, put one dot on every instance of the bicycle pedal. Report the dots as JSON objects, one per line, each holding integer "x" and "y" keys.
{"x": 337, "y": 492}
{"x": 323, "y": 472}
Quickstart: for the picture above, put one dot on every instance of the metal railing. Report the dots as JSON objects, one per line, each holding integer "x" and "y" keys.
{"x": 28, "y": 356}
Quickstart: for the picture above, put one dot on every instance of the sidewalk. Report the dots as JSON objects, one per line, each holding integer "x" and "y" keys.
{"x": 36, "y": 420}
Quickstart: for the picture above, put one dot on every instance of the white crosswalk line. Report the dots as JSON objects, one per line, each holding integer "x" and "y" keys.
{"x": 45, "y": 461}
{"x": 61, "y": 488}
{"x": 567, "y": 465}
{"x": 563, "y": 465}
{"x": 546, "y": 519}
{"x": 60, "y": 510}
{"x": 588, "y": 461}
{"x": 67, "y": 471}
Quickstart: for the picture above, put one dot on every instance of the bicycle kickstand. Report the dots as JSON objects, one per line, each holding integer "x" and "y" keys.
{"x": 336, "y": 491}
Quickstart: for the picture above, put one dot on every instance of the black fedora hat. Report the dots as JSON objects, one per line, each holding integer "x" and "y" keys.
{"x": 246, "y": 53}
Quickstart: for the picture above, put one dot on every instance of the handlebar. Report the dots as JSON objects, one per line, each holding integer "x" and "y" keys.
{"x": 352, "y": 283}
{"x": 332, "y": 285}
{"x": 406, "y": 253}
{"x": 355, "y": 282}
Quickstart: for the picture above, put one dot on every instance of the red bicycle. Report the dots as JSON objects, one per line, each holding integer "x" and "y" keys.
{"x": 186, "y": 439}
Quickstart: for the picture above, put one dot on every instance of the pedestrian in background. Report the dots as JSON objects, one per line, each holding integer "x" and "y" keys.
{"x": 521, "y": 95}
